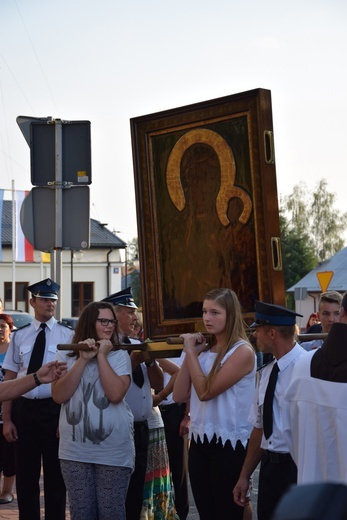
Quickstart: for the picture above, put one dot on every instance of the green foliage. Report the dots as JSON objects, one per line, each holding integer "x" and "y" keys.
{"x": 297, "y": 253}
{"x": 136, "y": 287}
{"x": 311, "y": 230}
{"x": 329, "y": 223}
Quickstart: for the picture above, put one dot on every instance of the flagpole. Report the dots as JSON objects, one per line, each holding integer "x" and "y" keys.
{"x": 14, "y": 247}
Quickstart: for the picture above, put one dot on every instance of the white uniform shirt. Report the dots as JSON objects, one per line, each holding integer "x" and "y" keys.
{"x": 22, "y": 343}
{"x": 311, "y": 345}
{"x": 315, "y": 425}
{"x": 286, "y": 365}
{"x": 140, "y": 399}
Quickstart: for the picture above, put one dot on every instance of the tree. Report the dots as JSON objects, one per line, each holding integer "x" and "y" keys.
{"x": 297, "y": 253}
{"x": 312, "y": 217}
{"x": 328, "y": 223}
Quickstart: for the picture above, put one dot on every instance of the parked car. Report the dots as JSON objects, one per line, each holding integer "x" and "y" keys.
{"x": 70, "y": 321}
{"x": 20, "y": 318}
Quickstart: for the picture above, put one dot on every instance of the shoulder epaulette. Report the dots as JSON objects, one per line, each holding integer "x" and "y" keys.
{"x": 64, "y": 324}
{"x": 22, "y": 327}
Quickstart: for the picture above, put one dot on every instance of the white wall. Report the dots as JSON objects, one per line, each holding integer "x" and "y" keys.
{"x": 306, "y": 307}
{"x": 88, "y": 266}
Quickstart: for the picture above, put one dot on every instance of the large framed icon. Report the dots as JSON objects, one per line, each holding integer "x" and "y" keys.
{"x": 207, "y": 208}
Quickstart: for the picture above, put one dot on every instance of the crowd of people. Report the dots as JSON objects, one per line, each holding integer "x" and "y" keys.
{"x": 120, "y": 433}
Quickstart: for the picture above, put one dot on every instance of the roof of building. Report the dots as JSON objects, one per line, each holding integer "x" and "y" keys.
{"x": 100, "y": 236}
{"x": 337, "y": 264}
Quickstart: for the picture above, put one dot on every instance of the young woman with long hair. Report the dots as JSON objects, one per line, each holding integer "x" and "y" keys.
{"x": 96, "y": 447}
{"x": 219, "y": 379}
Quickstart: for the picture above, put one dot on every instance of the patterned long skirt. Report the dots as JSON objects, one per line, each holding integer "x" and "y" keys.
{"x": 158, "y": 502}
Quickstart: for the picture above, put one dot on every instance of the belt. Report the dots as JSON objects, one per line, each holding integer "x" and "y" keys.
{"x": 276, "y": 457}
{"x": 34, "y": 399}
{"x": 140, "y": 424}
{"x": 164, "y": 407}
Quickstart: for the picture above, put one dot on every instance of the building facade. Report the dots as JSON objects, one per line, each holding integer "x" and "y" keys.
{"x": 86, "y": 276}
{"x": 333, "y": 271}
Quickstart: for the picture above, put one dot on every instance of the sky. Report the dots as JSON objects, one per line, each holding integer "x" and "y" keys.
{"x": 107, "y": 61}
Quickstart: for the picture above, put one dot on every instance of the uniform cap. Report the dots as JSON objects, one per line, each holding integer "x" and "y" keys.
{"x": 270, "y": 314}
{"x": 45, "y": 289}
{"x": 123, "y": 298}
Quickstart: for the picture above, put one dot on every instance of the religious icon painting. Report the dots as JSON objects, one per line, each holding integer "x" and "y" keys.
{"x": 207, "y": 208}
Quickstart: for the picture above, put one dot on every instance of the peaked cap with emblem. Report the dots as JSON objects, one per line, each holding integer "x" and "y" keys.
{"x": 45, "y": 289}
{"x": 270, "y": 314}
{"x": 123, "y": 298}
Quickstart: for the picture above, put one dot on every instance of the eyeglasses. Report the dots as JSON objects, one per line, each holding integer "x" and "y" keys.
{"x": 105, "y": 323}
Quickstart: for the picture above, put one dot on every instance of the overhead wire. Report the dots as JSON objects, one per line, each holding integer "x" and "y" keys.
{"x": 37, "y": 58}
{"x": 4, "y": 140}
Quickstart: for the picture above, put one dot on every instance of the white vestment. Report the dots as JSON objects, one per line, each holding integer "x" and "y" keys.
{"x": 315, "y": 426}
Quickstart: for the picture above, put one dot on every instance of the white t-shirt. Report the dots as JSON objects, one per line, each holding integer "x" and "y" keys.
{"x": 92, "y": 429}
{"x": 155, "y": 420}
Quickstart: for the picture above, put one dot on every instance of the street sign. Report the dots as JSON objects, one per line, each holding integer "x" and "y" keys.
{"x": 38, "y": 218}
{"x": 56, "y": 216}
{"x": 324, "y": 279}
{"x": 24, "y": 123}
{"x": 40, "y": 134}
{"x": 300, "y": 293}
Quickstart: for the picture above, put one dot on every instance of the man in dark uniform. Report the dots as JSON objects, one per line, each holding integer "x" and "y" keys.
{"x": 145, "y": 375}
{"x": 31, "y": 422}
{"x": 275, "y": 334}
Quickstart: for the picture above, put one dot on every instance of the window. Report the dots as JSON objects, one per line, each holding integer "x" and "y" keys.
{"x": 21, "y": 296}
{"x": 82, "y": 294}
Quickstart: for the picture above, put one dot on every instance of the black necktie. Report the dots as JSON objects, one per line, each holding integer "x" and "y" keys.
{"x": 38, "y": 351}
{"x": 137, "y": 372}
{"x": 268, "y": 402}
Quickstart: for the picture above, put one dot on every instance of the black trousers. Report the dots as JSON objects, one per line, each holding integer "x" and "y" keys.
{"x": 177, "y": 447}
{"x": 6, "y": 456}
{"x": 134, "y": 500}
{"x": 214, "y": 470}
{"x": 277, "y": 473}
{"x": 36, "y": 421}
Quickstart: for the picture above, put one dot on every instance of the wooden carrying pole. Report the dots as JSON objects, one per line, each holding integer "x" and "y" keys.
{"x": 171, "y": 347}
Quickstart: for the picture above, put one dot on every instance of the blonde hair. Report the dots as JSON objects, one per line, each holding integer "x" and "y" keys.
{"x": 234, "y": 328}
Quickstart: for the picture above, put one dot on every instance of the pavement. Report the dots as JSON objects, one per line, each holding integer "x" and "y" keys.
{"x": 10, "y": 511}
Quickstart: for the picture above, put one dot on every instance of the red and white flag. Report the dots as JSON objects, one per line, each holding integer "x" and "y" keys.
{"x": 24, "y": 250}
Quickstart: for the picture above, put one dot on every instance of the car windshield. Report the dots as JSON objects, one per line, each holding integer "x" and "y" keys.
{"x": 19, "y": 318}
